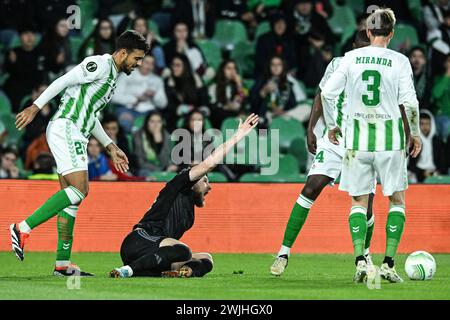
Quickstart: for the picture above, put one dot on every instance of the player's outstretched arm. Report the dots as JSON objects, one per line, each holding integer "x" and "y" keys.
{"x": 316, "y": 113}
{"x": 216, "y": 157}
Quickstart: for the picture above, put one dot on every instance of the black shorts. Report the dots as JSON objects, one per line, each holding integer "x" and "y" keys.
{"x": 138, "y": 243}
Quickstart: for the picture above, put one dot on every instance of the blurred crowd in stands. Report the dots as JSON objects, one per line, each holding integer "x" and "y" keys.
{"x": 209, "y": 63}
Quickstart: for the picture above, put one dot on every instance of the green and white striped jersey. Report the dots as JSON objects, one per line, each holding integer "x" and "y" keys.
{"x": 340, "y": 102}
{"x": 376, "y": 81}
{"x": 95, "y": 81}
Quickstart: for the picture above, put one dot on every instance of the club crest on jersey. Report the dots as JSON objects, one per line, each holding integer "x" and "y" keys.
{"x": 91, "y": 66}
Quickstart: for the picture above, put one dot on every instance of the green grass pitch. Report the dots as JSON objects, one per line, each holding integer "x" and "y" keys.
{"x": 308, "y": 276}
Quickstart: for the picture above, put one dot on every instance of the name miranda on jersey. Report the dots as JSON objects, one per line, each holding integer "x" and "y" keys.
{"x": 373, "y": 60}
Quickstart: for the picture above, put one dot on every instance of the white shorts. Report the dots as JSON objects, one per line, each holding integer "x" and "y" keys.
{"x": 360, "y": 169}
{"x": 328, "y": 159}
{"x": 68, "y": 146}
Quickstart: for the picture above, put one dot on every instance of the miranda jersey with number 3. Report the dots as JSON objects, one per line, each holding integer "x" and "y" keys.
{"x": 375, "y": 79}
{"x": 82, "y": 103}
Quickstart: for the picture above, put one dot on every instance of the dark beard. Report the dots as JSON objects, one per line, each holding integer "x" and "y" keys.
{"x": 198, "y": 199}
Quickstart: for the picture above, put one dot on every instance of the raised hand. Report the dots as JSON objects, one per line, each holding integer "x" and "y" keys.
{"x": 247, "y": 126}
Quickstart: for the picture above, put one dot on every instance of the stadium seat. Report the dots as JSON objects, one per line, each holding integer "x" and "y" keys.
{"x": 211, "y": 51}
{"x": 162, "y": 176}
{"x": 288, "y": 165}
{"x": 438, "y": 180}
{"x": 299, "y": 150}
{"x": 75, "y": 44}
{"x": 415, "y": 7}
{"x": 208, "y": 125}
{"x": 343, "y": 20}
{"x": 14, "y": 135}
{"x": 289, "y": 129}
{"x": 244, "y": 55}
{"x": 262, "y": 28}
{"x": 138, "y": 123}
{"x": 229, "y": 32}
{"x": 357, "y": 6}
{"x": 405, "y": 38}
{"x": 217, "y": 177}
{"x": 279, "y": 178}
{"x": 5, "y": 105}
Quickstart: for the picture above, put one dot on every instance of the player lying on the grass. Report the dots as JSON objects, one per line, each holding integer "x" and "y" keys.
{"x": 153, "y": 248}
{"x": 325, "y": 169}
{"x": 88, "y": 88}
{"x": 377, "y": 81}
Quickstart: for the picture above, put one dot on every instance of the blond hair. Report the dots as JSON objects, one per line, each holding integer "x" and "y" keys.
{"x": 381, "y": 22}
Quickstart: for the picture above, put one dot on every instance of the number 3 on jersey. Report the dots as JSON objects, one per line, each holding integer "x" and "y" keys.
{"x": 373, "y": 79}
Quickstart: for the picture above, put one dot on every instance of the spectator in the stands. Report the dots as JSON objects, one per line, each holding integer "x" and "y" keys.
{"x": 38, "y": 146}
{"x": 54, "y": 48}
{"x": 3, "y": 135}
{"x": 226, "y": 94}
{"x": 313, "y": 59}
{"x": 237, "y": 10}
{"x": 182, "y": 43}
{"x": 194, "y": 123}
{"x": 44, "y": 167}
{"x": 102, "y": 40}
{"x": 152, "y": 146}
{"x": 13, "y": 14}
{"x": 430, "y": 160}
{"x": 277, "y": 93}
{"x": 22, "y": 65}
{"x": 39, "y": 124}
{"x": 112, "y": 128}
{"x": 440, "y": 45}
{"x": 139, "y": 93}
{"x": 8, "y": 166}
{"x": 199, "y": 15}
{"x": 48, "y": 11}
{"x": 400, "y": 7}
{"x": 433, "y": 13}
{"x": 140, "y": 25}
{"x": 360, "y": 25}
{"x": 422, "y": 83}
{"x": 262, "y": 9}
{"x": 98, "y": 165}
{"x": 304, "y": 19}
{"x": 441, "y": 100}
{"x": 278, "y": 42}
{"x": 185, "y": 91}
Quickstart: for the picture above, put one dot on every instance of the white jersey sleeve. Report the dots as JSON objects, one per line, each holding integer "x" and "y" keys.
{"x": 332, "y": 66}
{"x": 407, "y": 96}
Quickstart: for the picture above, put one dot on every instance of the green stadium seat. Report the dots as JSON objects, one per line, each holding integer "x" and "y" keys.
{"x": 5, "y": 105}
{"x": 299, "y": 150}
{"x": 404, "y": 39}
{"x": 248, "y": 83}
{"x": 262, "y": 28}
{"x": 153, "y": 27}
{"x": 229, "y": 32}
{"x": 130, "y": 142}
{"x": 357, "y": 6}
{"x": 208, "y": 125}
{"x": 343, "y": 20}
{"x": 138, "y": 122}
{"x": 288, "y": 165}
{"x": 211, "y": 51}
{"x": 244, "y": 55}
{"x": 415, "y": 7}
{"x": 438, "y": 180}
{"x": 75, "y": 44}
{"x": 289, "y": 129}
{"x": 14, "y": 135}
{"x": 217, "y": 177}
{"x": 162, "y": 176}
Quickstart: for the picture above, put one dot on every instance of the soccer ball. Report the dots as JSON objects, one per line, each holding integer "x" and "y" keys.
{"x": 420, "y": 265}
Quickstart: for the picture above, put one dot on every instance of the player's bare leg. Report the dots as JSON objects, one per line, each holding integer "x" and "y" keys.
{"x": 358, "y": 229}
{"x": 394, "y": 230}
{"x": 73, "y": 194}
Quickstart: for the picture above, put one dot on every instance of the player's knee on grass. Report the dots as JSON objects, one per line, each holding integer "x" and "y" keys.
{"x": 314, "y": 186}
{"x": 175, "y": 253}
{"x": 200, "y": 267}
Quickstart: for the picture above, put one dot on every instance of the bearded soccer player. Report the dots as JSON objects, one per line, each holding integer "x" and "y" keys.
{"x": 325, "y": 169}
{"x": 88, "y": 88}
{"x": 377, "y": 81}
{"x": 153, "y": 248}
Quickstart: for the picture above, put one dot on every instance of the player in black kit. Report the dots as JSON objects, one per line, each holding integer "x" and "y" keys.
{"x": 153, "y": 248}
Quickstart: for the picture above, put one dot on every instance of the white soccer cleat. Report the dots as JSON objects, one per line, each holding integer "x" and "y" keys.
{"x": 279, "y": 265}
{"x": 390, "y": 274}
{"x": 369, "y": 260}
{"x": 361, "y": 272}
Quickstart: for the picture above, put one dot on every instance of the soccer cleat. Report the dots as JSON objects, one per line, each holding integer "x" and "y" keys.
{"x": 389, "y": 274}
{"x": 70, "y": 270}
{"x": 18, "y": 241}
{"x": 369, "y": 261}
{"x": 361, "y": 272}
{"x": 183, "y": 272}
{"x": 119, "y": 273}
{"x": 279, "y": 265}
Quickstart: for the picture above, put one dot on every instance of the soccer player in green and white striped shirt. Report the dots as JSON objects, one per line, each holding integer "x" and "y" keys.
{"x": 377, "y": 82}
{"x": 88, "y": 88}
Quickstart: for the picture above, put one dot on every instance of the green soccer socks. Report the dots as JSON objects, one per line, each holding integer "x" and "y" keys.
{"x": 394, "y": 229}
{"x": 65, "y": 224}
{"x": 59, "y": 201}
{"x": 297, "y": 218}
{"x": 370, "y": 227}
{"x": 358, "y": 229}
